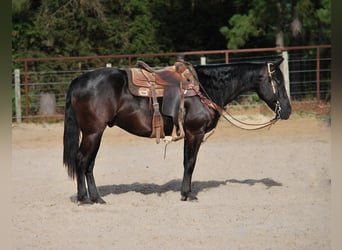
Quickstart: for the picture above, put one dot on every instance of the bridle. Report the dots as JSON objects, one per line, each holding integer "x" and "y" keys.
{"x": 277, "y": 108}
{"x": 243, "y": 125}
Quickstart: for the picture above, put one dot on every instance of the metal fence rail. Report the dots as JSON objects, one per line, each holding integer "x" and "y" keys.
{"x": 309, "y": 73}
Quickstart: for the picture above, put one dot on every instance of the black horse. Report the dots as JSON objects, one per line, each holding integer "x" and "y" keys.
{"x": 101, "y": 98}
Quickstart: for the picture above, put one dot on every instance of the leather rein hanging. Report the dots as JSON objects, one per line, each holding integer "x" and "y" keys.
{"x": 240, "y": 124}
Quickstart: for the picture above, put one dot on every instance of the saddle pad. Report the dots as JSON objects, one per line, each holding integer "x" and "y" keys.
{"x": 139, "y": 85}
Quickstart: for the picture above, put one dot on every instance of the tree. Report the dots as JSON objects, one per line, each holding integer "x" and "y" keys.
{"x": 288, "y": 22}
{"x": 23, "y": 33}
{"x": 186, "y": 25}
{"x": 137, "y": 26}
{"x": 79, "y": 27}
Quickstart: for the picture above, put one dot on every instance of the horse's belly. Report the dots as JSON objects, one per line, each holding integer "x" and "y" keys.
{"x": 140, "y": 123}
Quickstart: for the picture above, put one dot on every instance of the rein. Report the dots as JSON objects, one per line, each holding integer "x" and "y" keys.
{"x": 240, "y": 124}
{"x": 251, "y": 126}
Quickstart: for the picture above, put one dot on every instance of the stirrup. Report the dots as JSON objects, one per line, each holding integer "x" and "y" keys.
{"x": 175, "y": 136}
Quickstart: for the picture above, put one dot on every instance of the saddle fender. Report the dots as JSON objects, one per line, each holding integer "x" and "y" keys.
{"x": 171, "y": 102}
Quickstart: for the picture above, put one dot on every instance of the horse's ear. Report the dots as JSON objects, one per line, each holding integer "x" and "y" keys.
{"x": 277, "y": 63}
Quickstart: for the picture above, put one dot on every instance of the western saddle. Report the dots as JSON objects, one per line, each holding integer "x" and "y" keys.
{"x": 173, "y": 84}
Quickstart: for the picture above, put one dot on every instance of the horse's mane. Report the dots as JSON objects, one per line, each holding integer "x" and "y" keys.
{"x": 215, "y": 65}
{"x": 221, "y": 75}
{"x": 230, "y": 67}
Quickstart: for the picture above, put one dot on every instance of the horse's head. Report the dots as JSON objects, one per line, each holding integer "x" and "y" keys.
{"x": 272, "y": 90}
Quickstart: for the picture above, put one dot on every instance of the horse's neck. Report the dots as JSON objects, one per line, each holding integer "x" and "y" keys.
{"x": 234, "y": 89}
{"x": 230, "y": 90}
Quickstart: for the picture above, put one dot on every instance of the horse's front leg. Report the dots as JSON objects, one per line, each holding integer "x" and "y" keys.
{"x": 192, "y": 144}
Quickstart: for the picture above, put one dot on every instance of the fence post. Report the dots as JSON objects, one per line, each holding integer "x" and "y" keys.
{"x": 285, "y": 70}
{"x": 318, "y": 66}
{"x": 129, "y": 58}
{"x": 17, "y": 95}
{"x": 226, "y": 56}
{"x": 203, "y": 60}
{"x": 26, "y": 88}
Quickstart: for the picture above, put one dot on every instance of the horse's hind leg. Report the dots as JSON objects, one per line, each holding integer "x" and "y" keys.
{"x": 86, "y": 159}
{"x": 82, "y": 196}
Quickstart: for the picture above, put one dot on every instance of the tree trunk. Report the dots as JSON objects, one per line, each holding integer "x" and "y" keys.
{"x": 280, "y": 39}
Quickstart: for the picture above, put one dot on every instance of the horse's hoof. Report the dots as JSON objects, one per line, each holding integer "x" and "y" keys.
{"x": 192, "y": 198}
{"x": 85, "y": 201}
{"x": 184, "y": 198}
{"x": 188, "y": 197}
{"x": 100, "y": 201}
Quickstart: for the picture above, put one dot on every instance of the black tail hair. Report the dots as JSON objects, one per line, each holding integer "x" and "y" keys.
{"x": 71, "y": 137}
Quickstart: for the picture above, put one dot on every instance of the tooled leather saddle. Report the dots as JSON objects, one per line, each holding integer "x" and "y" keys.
{"x": 173, "y": 84}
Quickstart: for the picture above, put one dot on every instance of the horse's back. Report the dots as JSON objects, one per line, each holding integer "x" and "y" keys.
{"x": 97, "y": 79}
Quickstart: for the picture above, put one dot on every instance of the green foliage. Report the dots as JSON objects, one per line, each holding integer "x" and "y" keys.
{"x": 324, "y": 17}
{"x": 78, "y": 27}
{"x": 302, "y": 22}
{"x": 243, "y": 28}
{"x": 98, "y": 27}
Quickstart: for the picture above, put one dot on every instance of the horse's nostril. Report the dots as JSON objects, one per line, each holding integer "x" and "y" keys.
{"x": 285, "y": 115}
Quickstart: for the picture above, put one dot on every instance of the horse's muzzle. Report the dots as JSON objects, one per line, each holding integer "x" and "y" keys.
{"x": 284, "y": 113}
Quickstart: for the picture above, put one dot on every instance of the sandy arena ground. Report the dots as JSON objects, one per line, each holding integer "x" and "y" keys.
{"x": 266, "y": 189}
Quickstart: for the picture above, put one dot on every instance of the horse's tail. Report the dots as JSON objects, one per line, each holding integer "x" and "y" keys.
{"x": 71, "y": 137}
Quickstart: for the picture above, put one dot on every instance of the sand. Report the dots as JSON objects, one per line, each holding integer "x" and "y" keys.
{"x": 267, "y": 189}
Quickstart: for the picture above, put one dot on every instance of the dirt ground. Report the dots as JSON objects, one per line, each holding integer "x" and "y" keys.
{"x": 266, "y": 189}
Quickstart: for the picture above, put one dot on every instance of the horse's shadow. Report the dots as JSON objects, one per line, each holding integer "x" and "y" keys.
{"x": 174, "y": 186}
